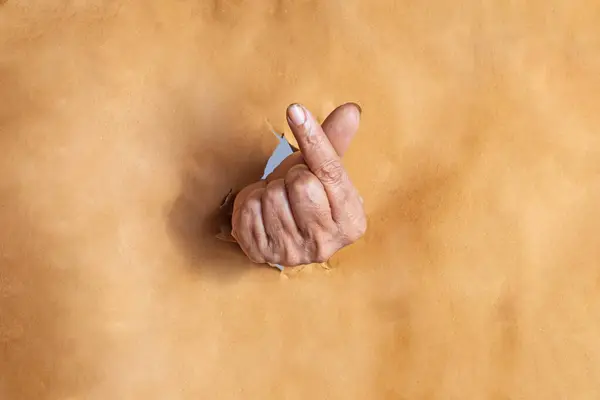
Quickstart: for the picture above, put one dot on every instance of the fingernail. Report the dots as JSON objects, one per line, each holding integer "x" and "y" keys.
{"x": 296, "y": 114}
{"x": 358, "y": 107}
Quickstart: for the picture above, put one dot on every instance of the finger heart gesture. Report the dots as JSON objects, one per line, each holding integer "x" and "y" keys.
{"x": 307, "y": 208}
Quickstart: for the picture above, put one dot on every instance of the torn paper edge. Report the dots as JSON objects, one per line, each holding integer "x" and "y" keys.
{"x": 281, "y": 152}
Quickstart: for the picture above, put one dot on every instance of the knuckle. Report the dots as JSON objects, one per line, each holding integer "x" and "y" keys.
{"x": 312, "y": 186}
{"x": 292, "y": 259}
{"x": 296, "y": 170}
{"x": 270, "y": 196}
{"x": 313, "y": 141}
{"x": 244, "y": 219}
{"x": 331, "y": 172}
{"x": 305, "y": 181}
{"x": 322, "y": 256}
{"x": 275, "y": 193}
{"x": 253, "y": 203}
{"x": 298, "y": 175}
{"x": 306, "y": 184}
{"x": 357, "y": 230}
{"x": 361, "y": 227}
{"x": 323, "y": 248}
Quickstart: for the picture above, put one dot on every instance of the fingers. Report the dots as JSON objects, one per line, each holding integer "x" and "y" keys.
{"x": 241, "y": 196}
{"x": 341, "y": 125}
{"x": 312, "y": 209}
{"x": 308, "y": 201}
{"x": 324, "y": 162}
{"x": 264, "y": 226}
{"x": 280, "y": 226}
{"x": 248, "y": 226}
{"x": 287, "y": 222}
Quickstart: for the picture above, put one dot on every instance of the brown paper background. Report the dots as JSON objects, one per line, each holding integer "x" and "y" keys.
{"x": 124, "y": 123}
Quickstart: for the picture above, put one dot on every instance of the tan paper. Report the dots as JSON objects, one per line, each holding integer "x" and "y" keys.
{"x": 123, "y": 124}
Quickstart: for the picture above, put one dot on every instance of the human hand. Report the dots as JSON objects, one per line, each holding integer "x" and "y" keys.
{"x": 307, "y": 208}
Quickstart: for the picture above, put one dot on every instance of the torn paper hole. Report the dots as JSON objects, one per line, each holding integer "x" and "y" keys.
{"x": 281, "y": 152}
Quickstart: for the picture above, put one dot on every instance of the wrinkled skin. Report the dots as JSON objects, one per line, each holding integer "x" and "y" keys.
{"x": 307, "y": 208}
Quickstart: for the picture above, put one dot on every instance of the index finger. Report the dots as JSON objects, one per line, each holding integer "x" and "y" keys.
{"x": 322, "y": 159}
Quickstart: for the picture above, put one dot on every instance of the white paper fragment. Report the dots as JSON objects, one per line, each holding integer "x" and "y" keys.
{"x": 279, "y": 267}
{"x": 281, "y": 152}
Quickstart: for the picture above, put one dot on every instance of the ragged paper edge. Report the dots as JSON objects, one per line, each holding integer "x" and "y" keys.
{"x": 291, "y": 273}
{"x": 280, "y": 137}
{"x": 229, "y": 197}
{"x": 290, "y": 138}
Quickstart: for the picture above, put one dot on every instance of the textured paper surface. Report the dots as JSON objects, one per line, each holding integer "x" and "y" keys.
{"x": 123, "y": 124}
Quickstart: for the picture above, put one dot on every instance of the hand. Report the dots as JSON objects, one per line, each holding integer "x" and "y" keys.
{"x": 307, "y": 209}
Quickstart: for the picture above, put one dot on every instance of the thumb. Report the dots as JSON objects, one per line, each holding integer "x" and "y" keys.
{"x": 341, "y": 126}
